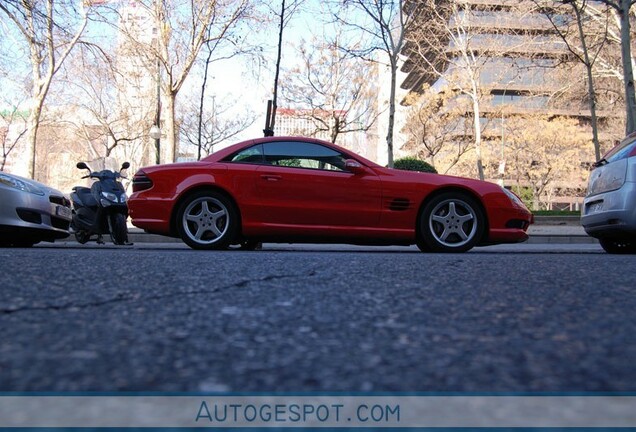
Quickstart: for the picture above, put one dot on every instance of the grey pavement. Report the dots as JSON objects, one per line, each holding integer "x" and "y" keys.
{"x": 322, "y": 318}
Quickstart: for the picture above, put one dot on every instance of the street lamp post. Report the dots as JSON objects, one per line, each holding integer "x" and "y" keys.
{"x": 155, "y": 133}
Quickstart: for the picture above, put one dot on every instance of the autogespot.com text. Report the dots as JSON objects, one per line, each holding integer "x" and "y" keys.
{"x": 214, "y": 412}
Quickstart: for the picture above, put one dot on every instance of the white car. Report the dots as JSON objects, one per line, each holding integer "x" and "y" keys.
{"x": 31, "y": 212}
{"x": 609, "y": 210}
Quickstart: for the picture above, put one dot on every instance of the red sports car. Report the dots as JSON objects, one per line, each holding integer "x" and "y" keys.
{"x": 293, "y": 189}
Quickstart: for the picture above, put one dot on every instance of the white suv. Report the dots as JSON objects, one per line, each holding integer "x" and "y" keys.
{"x": 609, "y": 210}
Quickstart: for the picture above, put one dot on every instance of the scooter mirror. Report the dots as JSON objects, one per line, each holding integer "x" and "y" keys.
{"x": 82, "y": 165}
{"x": 125, "y": 165}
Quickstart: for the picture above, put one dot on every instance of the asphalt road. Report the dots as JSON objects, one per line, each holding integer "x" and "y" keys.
{"x": 165, "y": 318}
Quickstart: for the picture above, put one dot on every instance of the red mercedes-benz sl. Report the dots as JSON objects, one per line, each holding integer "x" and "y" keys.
{"x": 293, "y": 189}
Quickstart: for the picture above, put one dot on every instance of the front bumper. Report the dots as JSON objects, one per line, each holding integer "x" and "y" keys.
{"x": 27, "y": 216}
{"x": 509, "y": 225}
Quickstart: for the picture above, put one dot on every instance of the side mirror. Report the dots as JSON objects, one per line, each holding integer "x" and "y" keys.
{"x": 82, "y": 165}
{"x": 125, "y": 165}
{"x": 354, "y": 166}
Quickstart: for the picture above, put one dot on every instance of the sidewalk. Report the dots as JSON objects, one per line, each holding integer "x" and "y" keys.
{"x": 558, "y": 229}
{"x": 545, "y": 230}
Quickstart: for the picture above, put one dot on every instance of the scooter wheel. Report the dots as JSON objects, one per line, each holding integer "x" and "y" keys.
{"x": 118, "y": 228}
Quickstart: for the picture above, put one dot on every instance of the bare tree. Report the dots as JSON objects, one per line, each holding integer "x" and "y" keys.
{"x": 50, "y": 30}
{"x": 12, "y": 131}
{"x": 545, "y": 151}
{"x": 452, "y": 47}
{"x": 182, "y": 28}
{"x": 209, "y": 134}
{"x": 585, "y": 43}
{"x": 103, "y": 114}
{"x": 622, "y": 8}
{"x": 287, "y": 10}
{"x": 215, "y": 124}
{"x": 434, "y": 128}
{"x": 331, "y": 89}
{"x": 386, "y": 25}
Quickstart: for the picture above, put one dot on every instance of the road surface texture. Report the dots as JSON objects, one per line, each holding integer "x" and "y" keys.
{"x": 298, "y": 319}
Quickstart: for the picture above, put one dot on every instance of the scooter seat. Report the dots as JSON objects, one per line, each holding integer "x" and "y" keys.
{"x": 85, "y": 196}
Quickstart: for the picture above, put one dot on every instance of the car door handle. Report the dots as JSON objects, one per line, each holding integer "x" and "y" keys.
{"x": 271, "y": 177}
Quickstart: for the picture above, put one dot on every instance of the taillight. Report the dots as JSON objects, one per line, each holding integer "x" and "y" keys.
{"x": 141, "y": 182}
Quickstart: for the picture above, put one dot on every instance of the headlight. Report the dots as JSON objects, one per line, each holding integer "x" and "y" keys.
{"x": 123, "y": 198}
{"x": 20, "y": 185}
{"x": 514, "y": 198}
{"x": 110, "y": 196}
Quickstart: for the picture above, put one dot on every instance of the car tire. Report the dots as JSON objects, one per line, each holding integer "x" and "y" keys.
{"x": 118, "y": 228}
{"x": 451, "y": 222}
{"x": 207, "y": 220}
{"x": 616, "y": 246}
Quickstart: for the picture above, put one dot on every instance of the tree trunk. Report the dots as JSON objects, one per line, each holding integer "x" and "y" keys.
{"x": 477, "y": 132}
{"x": 272, "y": 123}
{"x": 626, "y": 52}
{"x": 201, "y": 101}
{"x": 33, "y": 124}
{"x": 590, "y": 83}
{"x": 169, "y": 144}
{"x": 389, "y": 135}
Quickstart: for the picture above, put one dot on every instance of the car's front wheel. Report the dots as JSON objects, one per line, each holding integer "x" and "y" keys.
{"x": 619, "y": 246}
{"x": 451, "y": 222}
{"x": 207, "y": 220}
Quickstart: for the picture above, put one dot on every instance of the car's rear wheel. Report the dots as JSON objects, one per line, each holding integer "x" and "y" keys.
{"x": 451, "y": 222}
{"x": 619, "y": 246}
{"x": 207, "y": 220}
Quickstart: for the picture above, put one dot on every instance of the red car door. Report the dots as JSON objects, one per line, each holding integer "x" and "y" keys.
{"x": 305, "y": 184}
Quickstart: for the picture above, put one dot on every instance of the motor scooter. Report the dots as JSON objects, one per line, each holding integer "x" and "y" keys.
{"x": 102, "y": 208}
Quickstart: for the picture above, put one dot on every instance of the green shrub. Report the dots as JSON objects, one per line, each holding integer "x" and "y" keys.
{"x": 413, "y": 164}
{"x": 525, "y": 193}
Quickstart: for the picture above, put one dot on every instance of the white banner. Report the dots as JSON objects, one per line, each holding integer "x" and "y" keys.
{"x": 317, "y": 411}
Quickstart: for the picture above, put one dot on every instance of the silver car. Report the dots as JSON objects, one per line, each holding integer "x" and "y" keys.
{"x": 609, "y": 210}
{"x": 31, "y": 212}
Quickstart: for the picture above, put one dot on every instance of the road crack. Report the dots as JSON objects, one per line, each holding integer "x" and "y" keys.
{"x": 122, "y": 298}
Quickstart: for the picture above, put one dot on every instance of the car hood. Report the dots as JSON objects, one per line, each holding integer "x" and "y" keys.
{"x": 36, "y": 184}
{"x": 442, "y": 179}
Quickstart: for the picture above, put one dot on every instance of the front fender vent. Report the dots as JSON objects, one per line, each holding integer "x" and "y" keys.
{"x": 400, "y": 204}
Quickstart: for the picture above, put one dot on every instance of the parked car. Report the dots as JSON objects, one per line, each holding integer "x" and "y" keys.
{"x": 293, "y": 189}
{"x": 609, "y": 209}
{"x": 31, "y": 212}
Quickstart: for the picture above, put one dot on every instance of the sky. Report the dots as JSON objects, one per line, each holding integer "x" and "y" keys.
{"x": 236, "y": 81}
{"x": 252, "y": 92}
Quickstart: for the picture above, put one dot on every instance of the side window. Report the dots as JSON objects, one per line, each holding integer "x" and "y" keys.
{"x": 253, "y": 155}
{"x": 303, "y": 155}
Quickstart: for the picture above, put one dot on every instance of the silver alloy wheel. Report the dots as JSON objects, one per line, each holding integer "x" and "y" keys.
{"x": 453, "y": 223}
{"x": 205, "y": 220}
